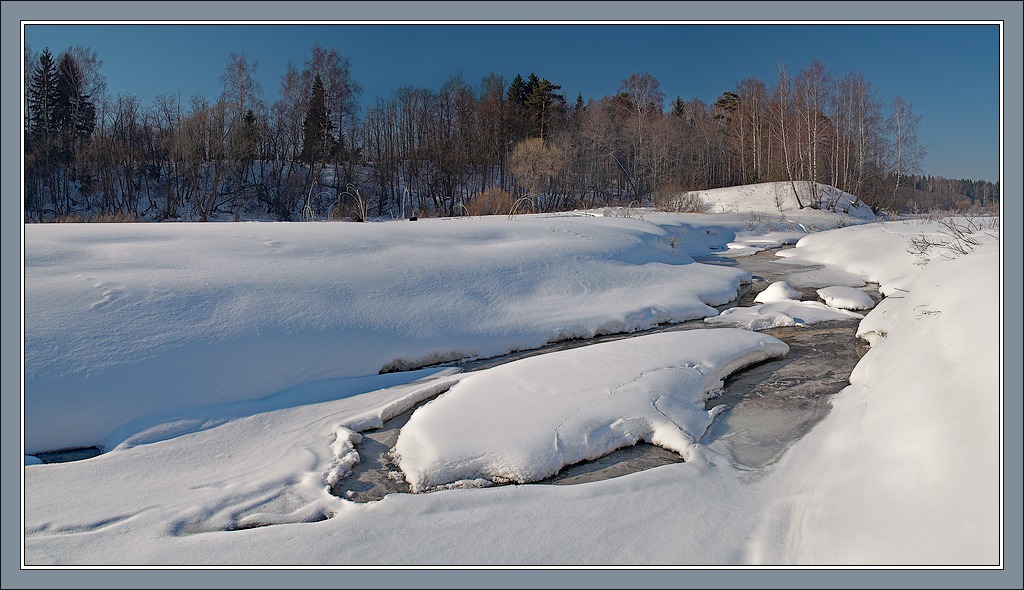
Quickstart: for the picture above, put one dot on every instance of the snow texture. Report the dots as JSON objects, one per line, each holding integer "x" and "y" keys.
{"x": 524, "y": 421}
{"x": 778, "y": 291}
{"x": 841, "y": 297}
{"x": 229, "y": 371}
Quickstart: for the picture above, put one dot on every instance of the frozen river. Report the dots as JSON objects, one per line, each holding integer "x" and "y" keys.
{"x": 768, "y": 406}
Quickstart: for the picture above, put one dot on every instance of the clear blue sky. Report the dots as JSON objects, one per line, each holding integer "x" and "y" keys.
{"x": 950, "y": 72}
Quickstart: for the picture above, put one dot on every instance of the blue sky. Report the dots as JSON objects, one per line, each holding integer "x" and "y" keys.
{"x": 950, "y": 72}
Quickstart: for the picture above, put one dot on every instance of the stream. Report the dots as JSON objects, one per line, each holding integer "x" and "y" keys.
{"x": 769, "y": 405}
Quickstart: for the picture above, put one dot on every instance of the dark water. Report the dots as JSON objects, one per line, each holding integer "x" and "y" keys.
{"x": 376, "y": 475}
{"x": 65, "y": 455}
{"x": 769, "y": 406}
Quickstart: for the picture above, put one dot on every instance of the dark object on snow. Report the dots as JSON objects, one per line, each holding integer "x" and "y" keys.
{"x": 413, "y": 218}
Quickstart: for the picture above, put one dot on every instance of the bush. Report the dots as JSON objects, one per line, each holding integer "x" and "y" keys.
{"x": 670, "y": 199}
{"x": 493, "y": 201}
{"x": 961, "y": 236}
{"x": 98, "y": 218}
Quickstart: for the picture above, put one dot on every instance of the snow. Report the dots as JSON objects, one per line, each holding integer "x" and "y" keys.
{"x": 882, "y": 253}
{"x": 911, "y": 447}
{"x": 781, "y": 306}
{"x": 780, "y": 314}
{"x": 524, "y": 421}
{"x": 842, "y": 297}
{"x": 783, "y": 197}
{"x": 778, "y": 291}
{"x": 180, "y": 314}
{"x": 230, "y": 371}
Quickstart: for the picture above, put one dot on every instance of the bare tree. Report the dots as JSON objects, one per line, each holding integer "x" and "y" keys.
{"x": 381, "y": 141}
{"x": 752, "y": 112}
{"x": 811, "y": 94}
{"x": 906, "y": 151}
{"x": 492, "y": 122}
{"x": 643, "y": 100}
{"x": 240, "y": 95}
{"x": 535, "y": 165}
{"x": 781, "y": 107}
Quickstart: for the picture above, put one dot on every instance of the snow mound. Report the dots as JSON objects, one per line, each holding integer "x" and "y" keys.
{"x": 779, "y": 314}
{"x": 256, "y": 310}
{"x": 780, "y": 197}
{"x": 778, "y": 291}
{"x": 846, "y": 298}
{"x": 524, "y": 421}
{"x": 905, "y": 469}
{"x": 890, "y": 254}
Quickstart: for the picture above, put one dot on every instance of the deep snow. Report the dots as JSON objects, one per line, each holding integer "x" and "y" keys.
{"x": 227, "y": 370}
{"x": 524, "y": 421}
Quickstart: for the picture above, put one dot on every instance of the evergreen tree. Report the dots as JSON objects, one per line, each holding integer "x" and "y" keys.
{"x": 74, "y": 115}
{"x": 543, "y": 102}
{"x": 726, "y": 104}
{"x": 531, "y": 85}
{"x": 42, "y": 97}
{"x": 678, "y": 107}
{"x": 317, "y": 141}
{"x": 39, "y": 140}
{"x": 517, "y": 91}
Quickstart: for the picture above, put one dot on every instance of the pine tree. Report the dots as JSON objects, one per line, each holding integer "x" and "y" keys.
{"x": 542, "y": 101}
{"x": 727, "y": 104}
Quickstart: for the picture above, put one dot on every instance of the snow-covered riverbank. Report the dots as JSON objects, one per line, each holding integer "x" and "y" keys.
{"x": 228, "y": 368}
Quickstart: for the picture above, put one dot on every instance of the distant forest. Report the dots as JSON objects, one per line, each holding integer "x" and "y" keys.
{"x": 490, "y": 148}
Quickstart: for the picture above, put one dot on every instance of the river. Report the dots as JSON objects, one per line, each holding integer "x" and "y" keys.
{"x": 769, "y": 406}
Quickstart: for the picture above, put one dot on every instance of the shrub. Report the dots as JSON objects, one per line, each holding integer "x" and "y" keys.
{"x": 493, "y": 201}
{"x": 672, "y": 199}
{"x": 97, "y": 218}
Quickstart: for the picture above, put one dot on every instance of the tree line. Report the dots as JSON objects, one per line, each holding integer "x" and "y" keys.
{"x": 488, "y": 148}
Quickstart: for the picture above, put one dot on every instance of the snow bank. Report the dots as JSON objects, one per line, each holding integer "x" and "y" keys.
{"x": 783, "y": 197}
{"x": 131, "y": 325}
{"x": 251, "y": 427}
{"x": 842, "y": 297}
{"x": 905, "y": 470}
{"x": 758, "y": 216}
{"x": 778, "y": 291}
{"x": 780, "y": 306}
{"x": 525, "y": 420}
{"x": 780, "y": 314}
{"x": 890, "y": 254}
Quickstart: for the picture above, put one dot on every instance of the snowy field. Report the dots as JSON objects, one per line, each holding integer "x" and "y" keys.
{"x": 228, "y": 369}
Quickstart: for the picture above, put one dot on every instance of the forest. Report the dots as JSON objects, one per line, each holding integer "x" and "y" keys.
{"x": 494, "y": 147}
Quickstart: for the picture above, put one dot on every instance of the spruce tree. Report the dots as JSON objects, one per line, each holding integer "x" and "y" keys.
{"x": 317, "y": 142}
{"x": 74, "y": 115}
{"x": 517, "y": 91}
{"x": 42, "y": 96}
{"x": 40, "y": 140}
{"x": 678, "y": 107}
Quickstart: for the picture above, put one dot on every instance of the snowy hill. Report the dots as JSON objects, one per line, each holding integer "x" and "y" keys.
{"x": 773, "y": 198}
